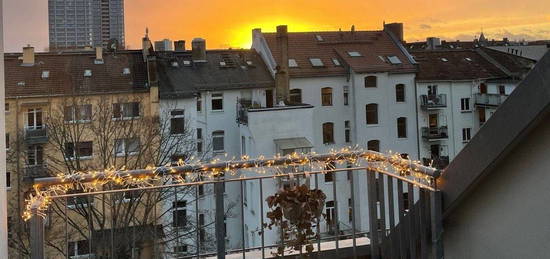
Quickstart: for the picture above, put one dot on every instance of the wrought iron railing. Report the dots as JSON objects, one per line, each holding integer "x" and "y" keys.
{"x": 36, "y": 135}
{"x": 433, "y": 101}
{"x": 489, "y": 99}
{"x": 434, "y": 133}
{"x": 393, "y": 206}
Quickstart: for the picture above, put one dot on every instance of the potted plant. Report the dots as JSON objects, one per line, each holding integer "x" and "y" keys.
{"x": 295, "y": 209}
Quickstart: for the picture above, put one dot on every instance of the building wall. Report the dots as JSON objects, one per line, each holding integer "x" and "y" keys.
{"x": 501, "y": 217}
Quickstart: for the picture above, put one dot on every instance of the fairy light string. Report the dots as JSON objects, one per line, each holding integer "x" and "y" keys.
{"x": 195, "y": 171}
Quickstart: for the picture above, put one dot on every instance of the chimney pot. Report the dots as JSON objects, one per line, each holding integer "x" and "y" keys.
{"x": 179, "y": 45}
{"x": 396, "y": 29}
{"x": 281, "y": 75}
{"x": 28, "y": 55}
{"x": 198, "y": 50}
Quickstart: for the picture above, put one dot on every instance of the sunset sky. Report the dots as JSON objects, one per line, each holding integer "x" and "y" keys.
{"x": 226, "y": 23}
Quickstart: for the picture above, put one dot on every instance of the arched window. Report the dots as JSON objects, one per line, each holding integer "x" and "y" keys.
{"x": 370, "y": 81}
{"x": 401, "y": 127}
{"x": 328, "y": 133}
{"x": 296, "y": 95}
{"x": 326, "y": 96}
{"x": 400, "y": 93}
{"x": 372, "y": 113}
{"x": 218, "y": 141}
{"x": 373, "y": 145}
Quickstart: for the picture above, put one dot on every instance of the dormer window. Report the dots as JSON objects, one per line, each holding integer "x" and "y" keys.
{"x": 292, "y": 62}
{"x": 319, "y": 37}
{"x": 394, "y": 60}
{"x": 444, "y": 59}
{"x": 316, "y": 62}
{"x": 88, "y": 73}
{"x": 354, "y": 54}
{"x": 21, "y": 83}
{"x": 126, "y": 71}
{"x": 336, "y": 62}
{"x": 187, "y": 63}
{"x": 175, "y": 64}
{"x": 45, "y": 74}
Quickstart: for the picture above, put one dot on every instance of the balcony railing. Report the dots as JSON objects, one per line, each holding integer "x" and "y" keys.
{"x": 435, "y": 133}
{"x": 440, "y": 162}
{"x": 36, "y": 135}
{"x": 394, "y": 225}
{"x": 491, "y": 100}
{"x": 35, "y": 171}
{"x": 436, "y": 101}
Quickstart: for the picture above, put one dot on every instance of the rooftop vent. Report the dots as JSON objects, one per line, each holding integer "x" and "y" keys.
{"x": 175, "y": 64}
{"x": 354, "y": 54}
{"x": 21, "y": 83}
{"x": 126, "y": 71}
{"x": 444, "y": 59}
{"x": 45, "y": 74}
{"x": 336, "y": 62}
{"x": 292, "y": 62}
{"x": 187, "y": 63}
{"x": 87, "y": 73}
{"x": 316, "y": 62}
{"x": 249, "y": 63}
{"x": 394, "y": 60}
{"x": 319, "y": 37}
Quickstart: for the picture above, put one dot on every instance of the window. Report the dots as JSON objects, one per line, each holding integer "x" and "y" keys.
{"x": 319, "y": 37}
{"x": 370, "y": 81}
{"x": 45, "y": 74}
{"x": 80, "y": 150}
{"x": 347, "y": 127}
{"x": 8, "y": 179}
{"x": 126, "y": 110}
{"x": 7, "y": 141}
{"x": 466, "y": 134}
{"x": 35, "y": 155}
{"x": 336, "y": 62}
{"x": 328, "y": 133}
{"x": 7, "y": 107}
{"x": 126, "y": 71}
{"x": 373, "y": 145}
{"x": 502, "y": 90}
{"x": 78, "y": 248}
{"x": 180, "y": 251}
{"x": 372, "y": 113}
{"x": 177, "y": 122}
{"x": 481, "y": 112}
{"x": 401, "y": 127}
{"x": 354, "y": 54}
{"x": 465, "y": 104}
{"x": 330, "y": 212}
{"x": 34, "y": 119}
{"x": 199, "y": 103}
{"x": 329, "y": 176}
{"x": 218, "y": 141}
{"x": 295, "y": 96}
{"x": 179, "y": 213}
{"x": 128, "y": 146}
{"x": 292, "y": 62}
{"x": 346, "y": 95}
{"x": 78, "y": 113}
{"x": 350, "y": 210}
{"x": 199, "y": 140}
{"x": 432, "y": 90}
{"x": 217, "y": 102}
{"x": 394, "y": 60}
{"x": 400, "y": 93}
{"x": 87, "y": 73}
{"x": 326, "y": 96}
{"x": 316, "y": 62}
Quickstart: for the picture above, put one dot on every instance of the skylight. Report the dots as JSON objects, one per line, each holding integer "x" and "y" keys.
{"x": 336, "y": 62}
{"x": 319, "y": 37}
{"x": 187, "y": 63}
{"x": 292, "y": 62}
{"x": 45, "y": 74}
{"x": 21, "y": 83}
{"x": 87, "y": 73}
{"x": 316, "y": 62}
{"x": 354, "y": 54}
{"x": 468, "y": 59}
{"x": 394, "y": 60}
{"x": 444, "y": 59}
{"x": 126, "y": 71}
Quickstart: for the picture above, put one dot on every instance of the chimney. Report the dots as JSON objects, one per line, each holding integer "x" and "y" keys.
{"x": 146, "y": 45}
{"x": 256, "y": 32}
{"x": 98, "y": 53}
{"x": 198, "y": 50}
{"x": 28, "y": 55}
{"x": 433, "y": 43}
{"x": 281, "y": 75}
{"x": 179, "y": 45}
{"x": 396, "y": 29}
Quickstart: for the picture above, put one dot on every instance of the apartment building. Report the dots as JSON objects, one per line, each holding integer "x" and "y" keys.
{"x": 68, "y": 112}
{"x": 457, "y": 91}
{"x": 86, "y": 23}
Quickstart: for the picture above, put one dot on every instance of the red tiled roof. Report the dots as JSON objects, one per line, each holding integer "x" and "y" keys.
{"x": 304, "y": 45}
{"x": 66, "y": 74}
{"x": 431, "y": 65}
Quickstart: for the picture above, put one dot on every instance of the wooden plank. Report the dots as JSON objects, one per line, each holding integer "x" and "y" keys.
{"x": 373, "y": 226}
{"x": 412, "y": 222}
{"x": 423, "y": 225}
{"x": 437, "y": 224}
{"x": 403, "y": 243}
{"x": 394, "y": 241}
{"x": 382, "y": 211}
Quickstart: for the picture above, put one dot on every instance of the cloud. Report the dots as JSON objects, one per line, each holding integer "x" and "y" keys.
{"x": 425, "y": 26}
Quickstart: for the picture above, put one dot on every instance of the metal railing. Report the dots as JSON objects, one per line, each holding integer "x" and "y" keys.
{"x": 35, "y": 171}
{"x": 434, "y": 133}
{"x": 435, "y": 101}
{"x": 489, "y": 99}
{"x": 36, "y": 135}
{"x": 404, "y": 214}
{"x": 440, "y": 162}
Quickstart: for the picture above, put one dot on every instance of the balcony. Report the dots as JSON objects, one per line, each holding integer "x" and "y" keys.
{"x": 489, "y": 100}
{"x": 430, "y": 102}
{"x": 440, "y": 162}
{"x": 36, "y": 135}
{"x": 434, "y": 133}
{"x": 35, "y": 171}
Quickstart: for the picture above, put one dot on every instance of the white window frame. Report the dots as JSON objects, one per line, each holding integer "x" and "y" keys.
{"x": 465, "y": 103}
{"x": 75, "y": 109}
{"x": 125, "y": 144}
{"x": 34, "y": 112}
{"x": 216, "y": 96}
{"x": 466, "y": 134}
{"x": 78, "y": 256}
{"x": 74, "y": 156}
{"x": 124, "y": 107}
{"x": 316, "y": 62}
{"x": 218, "y": 134}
